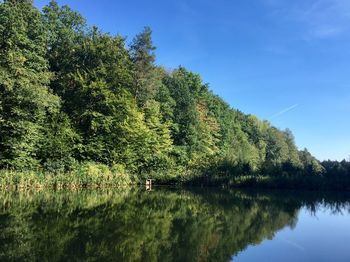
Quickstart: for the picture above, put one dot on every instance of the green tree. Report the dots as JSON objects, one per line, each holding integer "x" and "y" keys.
{"x": 277, "y": 149}
{"x": 310, "y": 164}
{"x": 185, "y": 116}
{"x": 73, "y": 93}
{"x": 294, "y": 162}
{"x": 60, "y": 143}
{"x": 24, "y": 78}
{"x": 146, "y": 80}
{"x": 159, "y": 141}
{"x": 65, "y": 30}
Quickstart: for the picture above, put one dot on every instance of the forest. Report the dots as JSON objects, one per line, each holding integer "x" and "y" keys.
{"x": 80, "y": 106}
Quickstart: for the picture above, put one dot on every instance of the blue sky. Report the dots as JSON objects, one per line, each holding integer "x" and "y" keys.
{"x": 284, "y": 61}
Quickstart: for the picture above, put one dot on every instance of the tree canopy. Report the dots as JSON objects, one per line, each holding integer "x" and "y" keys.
{"x": 71, "y": 93}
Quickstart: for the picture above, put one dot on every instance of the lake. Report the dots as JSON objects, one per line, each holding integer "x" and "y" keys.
{"x": 174, "y": 225}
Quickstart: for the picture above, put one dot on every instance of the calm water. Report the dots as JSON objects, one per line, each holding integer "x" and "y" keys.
{"x": 174, "y": 225}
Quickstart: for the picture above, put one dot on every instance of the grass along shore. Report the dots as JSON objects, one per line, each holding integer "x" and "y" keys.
{"x": 85, "y": 175}
{"x": 93, "y": 175}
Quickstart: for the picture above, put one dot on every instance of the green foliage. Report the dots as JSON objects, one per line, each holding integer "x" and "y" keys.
{"x": 60, "y": 144}
{"x": 70, "y": 93}
{"x": 335, "y": 168}
{"x": 65, "y": 29}
{"x": 146, "y": 82}
{"x": 25, "y": 98}
{"x": 83, "y": 175}
{"x": 310, "y": 164}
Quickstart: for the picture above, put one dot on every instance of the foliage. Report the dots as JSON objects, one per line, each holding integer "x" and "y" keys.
{"x": 84, "y": 175}
{"x": 70, "y": 93}
{"x": 25, "y": 98}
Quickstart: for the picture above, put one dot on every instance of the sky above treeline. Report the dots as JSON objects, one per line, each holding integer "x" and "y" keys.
{"x": 284, "y": 61}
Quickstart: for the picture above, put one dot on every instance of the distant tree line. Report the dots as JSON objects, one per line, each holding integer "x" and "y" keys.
{"x": 70, "y": 94}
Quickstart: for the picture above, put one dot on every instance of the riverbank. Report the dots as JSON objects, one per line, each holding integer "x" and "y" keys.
{"x": 296, "y": 181}
{"x": 92, "y": 175}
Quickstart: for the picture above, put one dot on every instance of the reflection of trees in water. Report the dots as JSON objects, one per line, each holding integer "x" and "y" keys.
{"x": 161, "y": 225}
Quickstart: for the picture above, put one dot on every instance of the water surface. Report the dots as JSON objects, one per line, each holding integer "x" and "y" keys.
{"x": 174, "y": 225}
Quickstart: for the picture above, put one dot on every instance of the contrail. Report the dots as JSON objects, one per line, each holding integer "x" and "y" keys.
{"x": 284, "y": 111}
{"x": 294, "y": 244}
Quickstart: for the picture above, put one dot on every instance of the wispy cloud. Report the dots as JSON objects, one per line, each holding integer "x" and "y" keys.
{"x": 294, "y": 244}
{"x": 284, "y": 111}
{"x": 320, "y": 19}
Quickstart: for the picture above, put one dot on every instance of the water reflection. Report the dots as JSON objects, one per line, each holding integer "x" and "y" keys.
{"x": 161, "y": 225}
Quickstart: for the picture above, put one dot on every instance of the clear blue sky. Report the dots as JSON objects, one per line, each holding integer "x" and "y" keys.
{"x": 284, "y": 61}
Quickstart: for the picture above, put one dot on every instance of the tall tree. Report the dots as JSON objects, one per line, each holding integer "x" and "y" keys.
{"x": 185, "y": 116}
{"x": 65, "y": 29}
{"x": 146, "y": 82}
{"x": 24, "y": 78}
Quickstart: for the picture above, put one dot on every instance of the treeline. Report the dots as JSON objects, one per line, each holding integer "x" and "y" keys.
{"x": 72, "y": 94}
{"x": 337, "y": 174}
{"x": 336, "y": 168}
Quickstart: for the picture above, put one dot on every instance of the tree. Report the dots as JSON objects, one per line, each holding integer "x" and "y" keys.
{"x": 276, "y": 151}
{"x": 294, "y": 160}
{"x": 65, "y": 29}
{"x": 60, "y": 143}
{"x": 160, "y": 141}
{"x": 71, "y": 93}
{"x": 146, "y": 82}
{"x": 24, "y": 78}
{"x": 185, "y": 117}
{"x": 310, "y": 164}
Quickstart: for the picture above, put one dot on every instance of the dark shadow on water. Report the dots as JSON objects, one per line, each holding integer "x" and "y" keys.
{"x": 161, "y": 225}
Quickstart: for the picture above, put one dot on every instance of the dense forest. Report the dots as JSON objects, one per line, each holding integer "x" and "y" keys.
{"x": 75, "y": 98}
